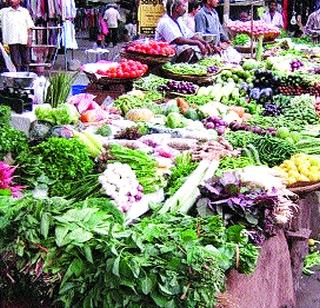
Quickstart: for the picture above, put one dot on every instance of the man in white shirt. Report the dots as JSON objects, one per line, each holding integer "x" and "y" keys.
{"x": 112, "y": 17}
{"x": 273, "y": 17}
{"x": 16, "y": 26}
{"x": 172, "y": 29}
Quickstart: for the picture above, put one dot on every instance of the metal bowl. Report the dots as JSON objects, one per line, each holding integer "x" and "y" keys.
{"x": 209, "y": 38}
{"x": 18, "y": 79}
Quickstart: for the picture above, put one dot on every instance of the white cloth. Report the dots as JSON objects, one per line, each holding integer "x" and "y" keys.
{"x": 168, "y": 30}
{"x": 68, "y": 35}
{"x": 276, "y": 21}
{"x": 190, "y": 22}
{"x": 132, "y": 29}
{"x": 15, "y": 25}
{"x": 112, "y": 16}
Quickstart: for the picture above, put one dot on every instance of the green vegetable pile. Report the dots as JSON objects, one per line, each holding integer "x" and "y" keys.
{"x": 179, "y": 173}
{"x": 241, "y": 39}
{"x": 59, "y": 89}
{"x": 11, "y": 140}
{"x": 81, "y": 254}
{"x": 63, "y": 114}
{"x": 61, "y": 160}
{"x": 210, "y": 61}
{"x": 144, "y": 166}
{"x": 150, "y": 82}
{"x": 272, "y": 150}
{"x": 104, "y": 130}
{"x": 185, "y": 69}
{"x": 300, "y": 110}
{"x": 128, "y": 102}
{"x": 231, "y": 163}
{"x": 199, "y": 100}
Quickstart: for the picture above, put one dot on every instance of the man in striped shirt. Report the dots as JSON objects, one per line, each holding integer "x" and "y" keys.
{"x": 312, "y": 27}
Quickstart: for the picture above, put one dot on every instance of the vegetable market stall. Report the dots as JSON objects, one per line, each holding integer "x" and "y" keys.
{"x": 71, "y": 219}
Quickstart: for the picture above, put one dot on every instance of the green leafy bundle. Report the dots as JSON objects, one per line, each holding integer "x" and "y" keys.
{"x": 80, "y": 254}
{"x": 61, "y": 160}
{"x": 59, "y": 89}
{"x": 144, "y": 166}
{"x": 12, "y": 141}
{"x": 179, "y": 173}
{"x": 5, "y": 115}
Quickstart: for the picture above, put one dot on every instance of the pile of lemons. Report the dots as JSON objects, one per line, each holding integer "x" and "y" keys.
{"x": 300, "y": 168}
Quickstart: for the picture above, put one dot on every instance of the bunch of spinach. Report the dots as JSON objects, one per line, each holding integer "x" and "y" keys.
{"x": 81, "y": 254}
{"x": 12, "y": 141}
{"x": 62, "y": 160}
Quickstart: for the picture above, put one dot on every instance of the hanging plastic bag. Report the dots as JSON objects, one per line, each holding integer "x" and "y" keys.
{"x": 10, "y": 66}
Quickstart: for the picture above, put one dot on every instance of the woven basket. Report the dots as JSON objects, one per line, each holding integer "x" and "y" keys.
{"x": 199, "y": 80}
{"x": 145, "y": 59}
{"x": 304, "y": 187}
{"x": 109, "y": 81}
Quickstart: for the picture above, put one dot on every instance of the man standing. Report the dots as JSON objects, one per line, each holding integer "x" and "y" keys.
{"x": 112, "y": 17}
{"x": 273, "y": 17}
{"x": 16, "y": 26}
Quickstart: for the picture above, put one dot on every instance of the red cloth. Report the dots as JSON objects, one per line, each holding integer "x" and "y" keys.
{"x": 285, "y": 13}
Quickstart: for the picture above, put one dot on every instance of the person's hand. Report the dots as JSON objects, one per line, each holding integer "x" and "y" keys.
{"x": 224, "y": 45}
{"x": 202, "y": 48}
{"x": 209, "y": 48}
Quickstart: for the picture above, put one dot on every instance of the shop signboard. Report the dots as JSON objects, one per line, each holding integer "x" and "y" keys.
{"x": 149, "y": 13}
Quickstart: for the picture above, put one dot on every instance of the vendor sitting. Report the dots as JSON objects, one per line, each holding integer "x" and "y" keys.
{"x": 312, "y": 27}
{"x": 172, "y": 29}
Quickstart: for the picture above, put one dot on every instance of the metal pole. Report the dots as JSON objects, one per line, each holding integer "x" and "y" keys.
{"x": 251, "y": 30}
{"x": 226, "y": 11}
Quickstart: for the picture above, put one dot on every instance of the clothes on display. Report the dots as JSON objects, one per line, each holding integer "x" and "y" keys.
{"x": 69, "y": 12}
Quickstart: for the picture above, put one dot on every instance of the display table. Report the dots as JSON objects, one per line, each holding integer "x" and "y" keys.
{"x": 271, "y": 285}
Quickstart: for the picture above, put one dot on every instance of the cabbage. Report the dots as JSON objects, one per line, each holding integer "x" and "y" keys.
{"x": 175, "y": 120}
{"x": 64, "y": 114}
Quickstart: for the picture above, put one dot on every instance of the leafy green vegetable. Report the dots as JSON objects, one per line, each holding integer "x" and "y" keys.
{"x": 144, "y": 166}
{"x": 61, "y": 160}
{"x": 182, "y": 169}
{"x": 12, "y": 141}
{"x": 104, "y": 130}
{"x": 80, "y": 254}
{"x": 241, "y": 39}
{"x": 5, "y": 115}
{"x": 63, "y": 114}
{"x": 175, "y": 120}
{"x": 310, "y": 261}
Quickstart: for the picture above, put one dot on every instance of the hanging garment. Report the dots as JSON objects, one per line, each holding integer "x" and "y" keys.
{"x": 69, "y": 12}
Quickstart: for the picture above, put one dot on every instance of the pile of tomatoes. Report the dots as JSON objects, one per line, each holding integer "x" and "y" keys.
{"x": 125, "y": 69}
{"x": 152, "y": 47}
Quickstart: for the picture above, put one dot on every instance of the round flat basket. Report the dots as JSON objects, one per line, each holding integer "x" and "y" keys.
{"x": 197, "y": 79}
{"x": 144, "y": 58}
{"x": 177, "y": 94}
{"x": 245, "y": 49}
{"x": 107, "y": 81}
{"x": 304, "y": 187}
